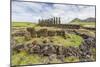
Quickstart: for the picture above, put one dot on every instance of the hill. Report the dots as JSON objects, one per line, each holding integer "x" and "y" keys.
{"x": 90, "y": 19}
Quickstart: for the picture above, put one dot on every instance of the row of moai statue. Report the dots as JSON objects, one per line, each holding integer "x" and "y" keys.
{"x": 54, "y": 20}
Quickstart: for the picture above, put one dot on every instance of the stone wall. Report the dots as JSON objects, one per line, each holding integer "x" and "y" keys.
{"x": 45, "y": 32}
{"x": 89, "y": 28}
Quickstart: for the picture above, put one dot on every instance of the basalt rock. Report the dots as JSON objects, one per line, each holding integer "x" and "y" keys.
{"x": 83, "y": 52}
{"x": 18, "y": 47}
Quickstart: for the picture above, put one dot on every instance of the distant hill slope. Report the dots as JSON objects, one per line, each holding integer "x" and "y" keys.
{"x": 88, "y": 22}
{"x": 91, "y": 19}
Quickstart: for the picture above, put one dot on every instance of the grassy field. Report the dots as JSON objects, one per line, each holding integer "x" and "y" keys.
{"x": 24, "y": 58}
{"x": 70, "y": 40}
{"x": 85, "y": 24}
{"x": 23, "y": 24}
{"x": 71, "y": 59}
{"x": 74, "y": 40}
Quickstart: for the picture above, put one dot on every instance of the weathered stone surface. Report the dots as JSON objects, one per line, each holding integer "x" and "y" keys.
{"x": 35, "y": 49}
{"x": 51, "y": 33}
{"x": 83, "y": 52}
{"x": 42, "y": 32}
{"x": 31, "y": 31}
{"x": 45, "y": 32}
{"x": 18, "y": 47}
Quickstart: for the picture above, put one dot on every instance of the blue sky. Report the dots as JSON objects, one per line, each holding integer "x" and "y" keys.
{"x": 31, "y": 12}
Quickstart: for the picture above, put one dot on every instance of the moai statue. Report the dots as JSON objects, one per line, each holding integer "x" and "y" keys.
{"x": 59, "y": 21}
{"x": 39, "y": 21}
{"x": 48, "y": 21}
{"x": 44, "y": 22}
{"x": 54, "y": 20}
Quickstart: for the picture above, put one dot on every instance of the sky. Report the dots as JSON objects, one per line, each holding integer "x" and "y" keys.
{"x": 32, "y": 11}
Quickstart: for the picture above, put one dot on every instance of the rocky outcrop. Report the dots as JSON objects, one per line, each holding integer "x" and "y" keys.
{"x": 83, "y": 52}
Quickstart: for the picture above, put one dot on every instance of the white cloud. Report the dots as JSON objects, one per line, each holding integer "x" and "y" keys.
{"x": 29, "y": 11}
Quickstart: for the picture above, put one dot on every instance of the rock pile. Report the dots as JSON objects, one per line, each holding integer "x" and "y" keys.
{"x": 83, "y": 52}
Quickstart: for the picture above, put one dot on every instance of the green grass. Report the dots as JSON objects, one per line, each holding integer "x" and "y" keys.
{"x": 23, "y": 24}
{"x": 31, "y": 59}
{"x": 23, "y": 58}
{"x": 17, "y": 58}
{"x": 85, "y": 24}
{"x": 71, "y": 59}
{"x": 71, "y": 40}
{"x": 20, "y": 39}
